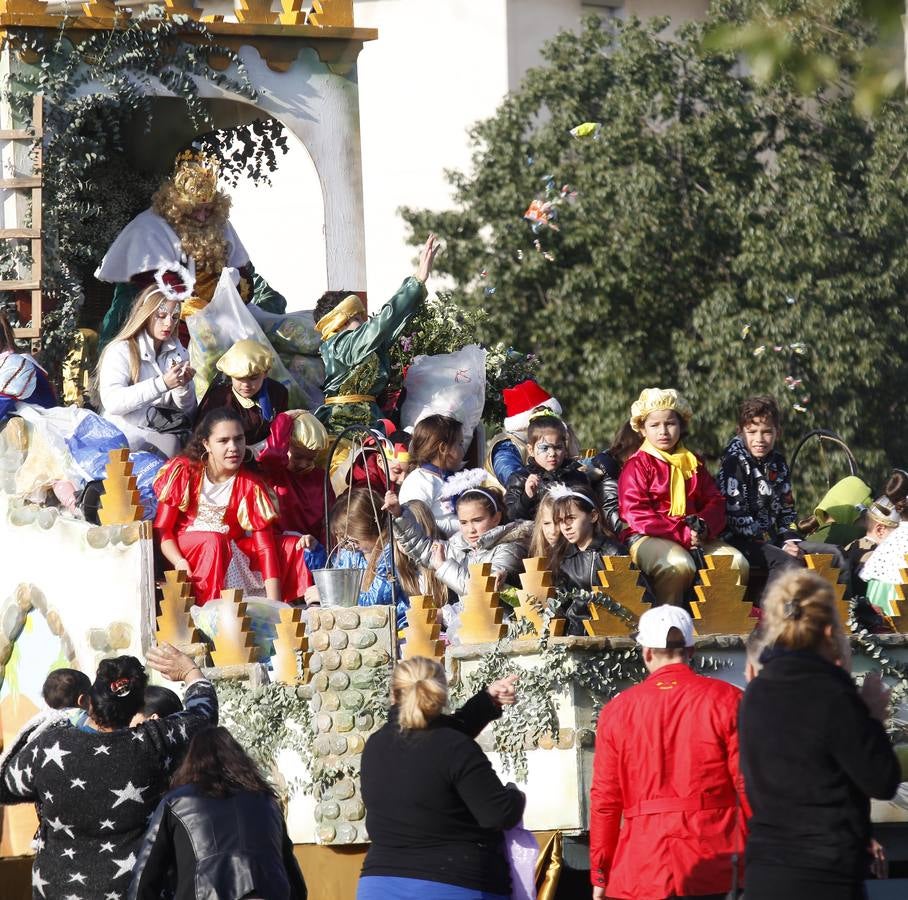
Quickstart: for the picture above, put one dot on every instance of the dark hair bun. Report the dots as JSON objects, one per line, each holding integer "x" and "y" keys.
{"x": 897, "y": 489}
{"x": 118, "y": 692}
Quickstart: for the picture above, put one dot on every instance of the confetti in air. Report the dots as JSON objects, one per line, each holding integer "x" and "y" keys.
{"x": 587, "y": 130}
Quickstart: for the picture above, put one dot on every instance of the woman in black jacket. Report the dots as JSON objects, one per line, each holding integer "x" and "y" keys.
{"x": 218, "y": 833}
{"x": 813, "y": 752}
{"x": 435, "y": 809}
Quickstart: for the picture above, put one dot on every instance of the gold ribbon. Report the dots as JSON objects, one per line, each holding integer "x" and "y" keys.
{"x": 342, "y": 399}
{"x": 682, "y": 465}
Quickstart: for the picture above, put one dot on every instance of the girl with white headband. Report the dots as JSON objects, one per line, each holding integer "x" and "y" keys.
{"x": 580, "y": 521}
{"x": 482, "y": 538}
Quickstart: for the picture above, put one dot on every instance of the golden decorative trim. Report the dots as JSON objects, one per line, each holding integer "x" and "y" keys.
{"x": 327, "y": 13}
{"x": 254, "y": 12}
{"x": 720, "y": 607}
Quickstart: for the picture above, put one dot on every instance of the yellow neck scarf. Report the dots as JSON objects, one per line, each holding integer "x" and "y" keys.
{"x": 683, "y": 464}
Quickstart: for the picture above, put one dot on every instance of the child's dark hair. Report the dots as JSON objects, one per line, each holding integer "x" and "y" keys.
{"x": 544, "y": 423}
{"x": 118, "y": 692}
{"x": 63, "y": 688}
{"x": 896, "y": 491}
{"x": 195, "y": 448}
{"x": 491, "y": 499}
{"x": 430, "y": 434}
{"x": 626, "y": 443}
{"x": 760, "y": 407}
{"x": 161, "y": 702}
{"x": 328, "y": 301}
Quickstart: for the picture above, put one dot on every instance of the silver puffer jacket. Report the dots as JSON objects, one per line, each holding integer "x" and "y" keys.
{"x": 504, "y": 546}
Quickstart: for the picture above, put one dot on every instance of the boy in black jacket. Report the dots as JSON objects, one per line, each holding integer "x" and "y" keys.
{"x": 756, "y": 482}
{"x": 547, "y": 464}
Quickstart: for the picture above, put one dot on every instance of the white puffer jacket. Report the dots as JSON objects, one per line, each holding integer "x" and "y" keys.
{"x": 504, "y": 546}
{"x": 126, "y": 403}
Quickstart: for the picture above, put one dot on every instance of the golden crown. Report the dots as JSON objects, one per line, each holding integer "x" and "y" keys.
{"x": 196, "y": 176}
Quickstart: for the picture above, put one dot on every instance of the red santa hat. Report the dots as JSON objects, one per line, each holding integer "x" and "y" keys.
{"x": 521, "y": 400}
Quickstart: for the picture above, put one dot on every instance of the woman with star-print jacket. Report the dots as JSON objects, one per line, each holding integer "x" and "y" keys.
{"x": 99, "y": 782}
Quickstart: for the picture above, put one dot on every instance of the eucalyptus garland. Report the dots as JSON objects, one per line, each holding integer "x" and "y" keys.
{"x": 95, "y": 90}
{"x": 267, "y": 720}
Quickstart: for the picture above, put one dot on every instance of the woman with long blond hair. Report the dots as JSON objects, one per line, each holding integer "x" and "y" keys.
{"x": 814, "y": 750}
{"x": 143, "y": 382}
{"x": 436, "y": 811}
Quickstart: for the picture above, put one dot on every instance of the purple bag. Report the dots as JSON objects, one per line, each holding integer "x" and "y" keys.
{"x": 522, "y": 850}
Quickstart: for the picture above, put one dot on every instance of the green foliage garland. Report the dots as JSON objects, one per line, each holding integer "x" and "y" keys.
{"x": 94, "y": 91}
{"x": 267, "y": 720}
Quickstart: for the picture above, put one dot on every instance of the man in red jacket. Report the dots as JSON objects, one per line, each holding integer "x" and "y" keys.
{"x": 667, "y": 764}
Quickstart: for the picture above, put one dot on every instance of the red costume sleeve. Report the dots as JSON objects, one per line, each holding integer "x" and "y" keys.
{"x": 707, "y": 502}
{"x": 173, "y": 482}
{"x": 606, "y": 803}
{"x": 165, "y": 522}
{"x": 253, "y": 504}
{"x": 277, "y": 446}
{"x": 644, "y": 499}
{"x": 266, "y": 549}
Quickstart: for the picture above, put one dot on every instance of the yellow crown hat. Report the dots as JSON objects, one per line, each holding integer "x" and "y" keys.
{"x": 330, "y": 323}
{"x": 307, "y": 430}
{"x": 246, "y": 359}
{"x": 195, "y": 176}
{"x": 654, "y": 399}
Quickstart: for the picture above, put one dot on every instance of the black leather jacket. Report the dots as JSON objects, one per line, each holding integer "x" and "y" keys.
{"x": 199, "y": 848}
{"x": 516, "y": 502}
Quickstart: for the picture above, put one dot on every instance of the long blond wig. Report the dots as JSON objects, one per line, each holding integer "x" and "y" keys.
{"x": 144, "y": 307}
{"x": 205, "y": 243}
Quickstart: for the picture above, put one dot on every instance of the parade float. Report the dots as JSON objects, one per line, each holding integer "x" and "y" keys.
{"x": 302, "y": 691}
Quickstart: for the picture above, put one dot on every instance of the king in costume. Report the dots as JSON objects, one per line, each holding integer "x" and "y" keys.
{"x": 186, "y": 228}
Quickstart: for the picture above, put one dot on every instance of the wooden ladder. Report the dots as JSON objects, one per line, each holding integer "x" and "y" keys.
{"x": 33, "y": 183}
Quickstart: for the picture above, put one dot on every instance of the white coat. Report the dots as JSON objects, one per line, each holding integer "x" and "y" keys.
{"x": 126, "y": 403}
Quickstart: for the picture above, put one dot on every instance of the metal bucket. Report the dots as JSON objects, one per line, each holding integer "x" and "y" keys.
{"x": 338, "y": 587}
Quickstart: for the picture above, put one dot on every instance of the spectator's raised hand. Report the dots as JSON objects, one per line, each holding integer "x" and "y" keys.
{"x": 504, "y": 690}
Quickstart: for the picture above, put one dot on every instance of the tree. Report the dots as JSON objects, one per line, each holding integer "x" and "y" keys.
{"x": 713, "y": 216}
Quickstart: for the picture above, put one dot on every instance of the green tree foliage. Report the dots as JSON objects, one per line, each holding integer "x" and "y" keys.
{"x": 714, "y": 216}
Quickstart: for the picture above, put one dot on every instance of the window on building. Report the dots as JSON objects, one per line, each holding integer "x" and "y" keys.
{"x": 605, "y": 9}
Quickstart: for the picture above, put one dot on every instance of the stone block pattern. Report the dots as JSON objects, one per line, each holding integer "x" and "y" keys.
{"x": 350, "y": 649}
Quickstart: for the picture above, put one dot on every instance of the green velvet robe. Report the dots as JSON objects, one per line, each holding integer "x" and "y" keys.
{"x": 358, "y": 361}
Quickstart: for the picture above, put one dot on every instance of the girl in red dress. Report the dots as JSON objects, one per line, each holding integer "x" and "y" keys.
{"x": 217, "y": 521}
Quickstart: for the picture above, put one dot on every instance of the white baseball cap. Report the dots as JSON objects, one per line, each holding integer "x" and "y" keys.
{"x": 656, "y": 623}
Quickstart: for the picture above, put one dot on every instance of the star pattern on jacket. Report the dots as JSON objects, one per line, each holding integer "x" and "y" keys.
{"x": 96, "y": 792}
{"x": 55, "y": 754}
{"x": 124, "y": 866}
{"x": 130, "y": 792}
{"x": 57, "y": 825}
{"x": 38, "y": 883}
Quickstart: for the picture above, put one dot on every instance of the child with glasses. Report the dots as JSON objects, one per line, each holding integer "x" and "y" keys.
{"x": 548, "y": 463}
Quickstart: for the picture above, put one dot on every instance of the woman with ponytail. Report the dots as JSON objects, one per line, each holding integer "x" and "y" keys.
{"x": 814, "y": 750}
{"x": 436, "y": 811}
{"x": 98, "y": 780}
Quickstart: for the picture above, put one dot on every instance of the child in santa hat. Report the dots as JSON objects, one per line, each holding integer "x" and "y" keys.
{"x": 507, "y": 451}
